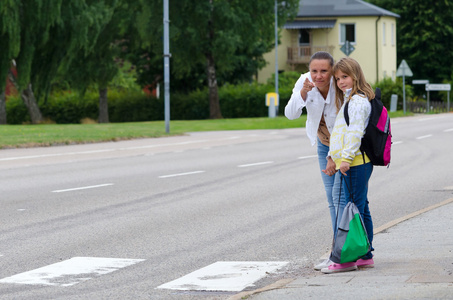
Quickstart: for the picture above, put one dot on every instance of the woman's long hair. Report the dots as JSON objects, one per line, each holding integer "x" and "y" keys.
{"x": 351, "y": 67}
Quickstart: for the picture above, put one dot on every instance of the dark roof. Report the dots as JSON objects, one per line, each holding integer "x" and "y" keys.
{"x": 310, "y": 24}
{"x": 340, "y": 8}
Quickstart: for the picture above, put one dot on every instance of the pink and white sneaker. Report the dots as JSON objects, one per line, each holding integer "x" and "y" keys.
{"x": 336, "y": 268}
{"x": 365, "y": 263}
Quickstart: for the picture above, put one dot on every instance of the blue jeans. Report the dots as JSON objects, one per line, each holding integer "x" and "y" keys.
{"x": 332, "y": 187}
{"x": 355, "y": 186}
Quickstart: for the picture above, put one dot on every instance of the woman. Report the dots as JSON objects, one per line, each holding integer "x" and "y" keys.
{"x": 315, "y": 90}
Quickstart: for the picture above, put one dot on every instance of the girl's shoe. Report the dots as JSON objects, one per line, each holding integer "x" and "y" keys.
{"x": 336, "y": 268}
{"x": 365, "y": 263}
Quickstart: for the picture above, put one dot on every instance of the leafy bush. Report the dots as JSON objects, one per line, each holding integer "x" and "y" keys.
{"x": 236, "y": 101}
{"x": 285, "y": 79}
{"x": 67, "y": 107}
{"x": 16, "y": 112}
{"x": 389, "y": 87}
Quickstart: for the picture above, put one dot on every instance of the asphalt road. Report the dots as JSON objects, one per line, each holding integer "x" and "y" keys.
{"x": 178, "y": 204}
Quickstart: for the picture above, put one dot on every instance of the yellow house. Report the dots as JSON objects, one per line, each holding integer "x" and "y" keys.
{"x": 336, "y": 26}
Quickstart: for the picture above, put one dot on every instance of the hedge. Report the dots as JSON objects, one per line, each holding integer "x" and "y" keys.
{"x": 239, "y": 101}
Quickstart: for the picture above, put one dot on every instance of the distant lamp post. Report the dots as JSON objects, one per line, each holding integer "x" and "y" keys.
{"x": 167, "y": 56}
{"x": 276, "y": 50}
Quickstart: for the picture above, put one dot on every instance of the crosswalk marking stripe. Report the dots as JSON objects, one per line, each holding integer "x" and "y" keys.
{"x": 229, "y": 276}
{"x": 71, "y": 271}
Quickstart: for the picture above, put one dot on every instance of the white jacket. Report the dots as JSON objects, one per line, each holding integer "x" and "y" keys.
{"x": 345, "y": 140}
{"x": 315, "y": 105}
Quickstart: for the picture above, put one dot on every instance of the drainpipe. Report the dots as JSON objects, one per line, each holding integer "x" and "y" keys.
{"x": 377, "y": 50}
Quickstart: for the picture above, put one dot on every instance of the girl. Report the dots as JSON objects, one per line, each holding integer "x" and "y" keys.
{"x": 345, "y": 140}
{"x": 315, "y": 90}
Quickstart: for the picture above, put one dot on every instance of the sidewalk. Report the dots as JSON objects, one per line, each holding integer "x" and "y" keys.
{"x": 413, "y": 260}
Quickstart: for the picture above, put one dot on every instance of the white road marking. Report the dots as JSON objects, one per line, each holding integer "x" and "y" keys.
{"x": 71, "y": 271}
{"x": 55, "y": 154}
{"x": 429, "y": 118}
{"x": 396, "y": 143}
{"x": 99, "y": 151}
{"x": 448, "y": 130}
{"x": 305, "y": 157}
{"x": 83, "y": 188}
{"x": 256, "y": 164}
{"x": 424, "y": 136}
{"x": 181, "y": 174}
{"x": 229, "y": 276}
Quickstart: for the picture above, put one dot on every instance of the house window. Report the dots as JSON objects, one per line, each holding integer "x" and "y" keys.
{"x": 383, "y": 34}
{"x": 393, "y": 34}
{"x": 304, "y": 37}
{"x": 347, "y": 33}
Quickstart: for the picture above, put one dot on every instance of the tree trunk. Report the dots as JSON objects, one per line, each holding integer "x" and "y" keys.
{"x": 103, "y": 106}
{"x": 2, "y": 108}
{"x": 32, "y": 106}
{"x": 214, "y": 104}
{"x": 28, "y": 97}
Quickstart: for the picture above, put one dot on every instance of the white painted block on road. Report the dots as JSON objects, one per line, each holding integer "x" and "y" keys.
{"x": 230, "y": 276}
{"x": 71, "y": 271}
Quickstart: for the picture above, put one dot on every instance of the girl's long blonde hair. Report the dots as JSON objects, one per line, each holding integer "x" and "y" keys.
{"x": 351, "y": 67}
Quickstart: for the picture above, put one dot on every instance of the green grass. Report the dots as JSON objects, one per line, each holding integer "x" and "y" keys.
{"x": 13, "y": 136}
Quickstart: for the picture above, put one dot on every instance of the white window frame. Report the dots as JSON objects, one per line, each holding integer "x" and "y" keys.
{"x": 383, "y": 34}
{"x": 342, "y": 29}
{"x": 393, "y": 34}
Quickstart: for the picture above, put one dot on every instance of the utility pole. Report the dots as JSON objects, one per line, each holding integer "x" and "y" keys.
{"x": 167, "y": 56}
{"x": 276, "y": 52}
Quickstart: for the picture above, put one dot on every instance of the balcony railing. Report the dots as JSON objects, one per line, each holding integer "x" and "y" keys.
{"x": 302, "y": 54}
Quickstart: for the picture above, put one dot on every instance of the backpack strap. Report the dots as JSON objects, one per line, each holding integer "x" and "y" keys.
{"x": 346, "y": 113}
{"x": 346, "y": 118}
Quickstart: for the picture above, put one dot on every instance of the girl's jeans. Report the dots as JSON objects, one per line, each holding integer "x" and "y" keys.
{"x": 355, "y": 186}
{"x": 332, "y": 187}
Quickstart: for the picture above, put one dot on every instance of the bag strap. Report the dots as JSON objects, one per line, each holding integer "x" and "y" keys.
{"x": 347, "y": 187}
{"x": 338, "y": 206}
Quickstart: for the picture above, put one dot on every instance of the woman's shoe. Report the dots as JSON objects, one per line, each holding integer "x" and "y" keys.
{"x": 336, "y": 268}
{"x": 365, "y": 263}
{"x": 324, "y": 264}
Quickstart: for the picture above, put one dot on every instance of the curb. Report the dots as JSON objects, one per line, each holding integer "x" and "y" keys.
{"x": 284, "y": 282}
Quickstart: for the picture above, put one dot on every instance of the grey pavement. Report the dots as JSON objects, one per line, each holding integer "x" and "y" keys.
{"x": 413, "y": 260}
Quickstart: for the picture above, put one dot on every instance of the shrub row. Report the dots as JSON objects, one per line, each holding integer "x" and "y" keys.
{"x": 236, "y": 101}
{"x": 240, "y": 101}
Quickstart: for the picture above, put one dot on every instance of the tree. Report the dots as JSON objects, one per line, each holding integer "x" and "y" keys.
{"x": 10, "y": 37}
{"x": 223, "y": 37}
{"x": 97, "y": 66}
{"x": 424, "y": 36}
{"x": 36, "y": 18}
{"x": 51, "y": 34}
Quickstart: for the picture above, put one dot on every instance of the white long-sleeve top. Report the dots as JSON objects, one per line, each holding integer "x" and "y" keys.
{"x": 316, "y": 106}
{"x": 345, "y": 140}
